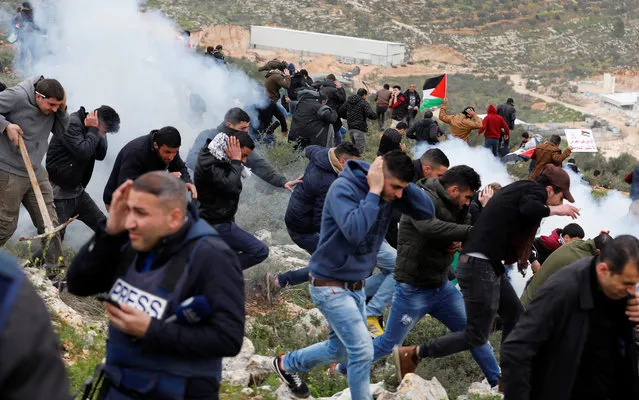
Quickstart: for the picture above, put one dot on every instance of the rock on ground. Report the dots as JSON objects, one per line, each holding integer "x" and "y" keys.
{"x": 480, "y": 391}
{"x": 245, "y": 368}
{"x": 311, "y": 323}
{"x": 416, "y": 387}
{"x": 51, "y": 297}
{"x": 376, "y": 390}
{"x": 288, "y": 257}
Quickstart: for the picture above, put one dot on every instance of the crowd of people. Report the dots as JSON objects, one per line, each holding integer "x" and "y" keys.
{"x": 168, "y": 259}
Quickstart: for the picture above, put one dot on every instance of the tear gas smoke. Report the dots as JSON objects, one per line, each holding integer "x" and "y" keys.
{"x": 108, "y": 52}
{"x": 609, "y": 213}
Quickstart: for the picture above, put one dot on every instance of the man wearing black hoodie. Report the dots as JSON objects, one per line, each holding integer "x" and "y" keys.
{"x": 356, "y": 110}
{"x": 313, "y": 122}
{"x": 235, "y": 121}
{"x": 218, "y": 173}
{"x": 70, "y": 162}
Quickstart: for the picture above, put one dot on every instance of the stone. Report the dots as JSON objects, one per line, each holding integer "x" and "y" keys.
{"x": 265, "y": 236}
{"x": 245, "y": 368}
{"x": 481, "y": 390}
{"x": 376, "y": 390}
{"x": 51, "y": 297}
{"x": 415, "y": 387}
{"x": 247, "y": 391}
{"x": 288, "y": 257}
{"x": 312, "y": 324}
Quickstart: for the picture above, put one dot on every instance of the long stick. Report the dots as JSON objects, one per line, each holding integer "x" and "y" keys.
{"x": 42, "y": 205}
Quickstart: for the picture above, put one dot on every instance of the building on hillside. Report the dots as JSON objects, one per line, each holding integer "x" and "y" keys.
{"x": 625, "y": 100}
{"x": 350, "y": 50}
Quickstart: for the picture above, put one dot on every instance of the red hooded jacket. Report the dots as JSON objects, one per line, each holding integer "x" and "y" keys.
{"x": 493, "y": 124}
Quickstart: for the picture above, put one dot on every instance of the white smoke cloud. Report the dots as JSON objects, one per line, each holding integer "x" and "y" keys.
{"x": 609, "y": 213}
{"x": 107, "y": 52}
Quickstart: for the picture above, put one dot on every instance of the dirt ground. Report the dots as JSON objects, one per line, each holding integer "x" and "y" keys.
{"x": 629, "y": 143}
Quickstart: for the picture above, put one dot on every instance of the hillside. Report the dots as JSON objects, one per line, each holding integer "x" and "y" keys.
{"x": 579, "y": 36}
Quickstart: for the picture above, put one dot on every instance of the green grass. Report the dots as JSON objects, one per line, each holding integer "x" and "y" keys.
{"x": 82, "y": 353}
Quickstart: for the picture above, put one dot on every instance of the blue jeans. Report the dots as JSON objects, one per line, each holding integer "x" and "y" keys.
{"x": 381, "y": 286}
{"x": 307, "y": 241}
{"x": 249, "y": 249}
{"x": 446, "y": 304}
{"x": 339, "y": 136}
{"x": 292, "y": 106}
{"x": 492, "y": 145}
{"x": 282, "y": 109}
{"x": 348, "y": 339}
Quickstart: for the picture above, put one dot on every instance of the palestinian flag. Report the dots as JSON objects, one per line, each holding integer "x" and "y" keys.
{"x": 434, "y": 92}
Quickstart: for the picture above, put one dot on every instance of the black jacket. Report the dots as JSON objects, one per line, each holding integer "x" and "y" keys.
{"x": 423, "y": 258}
{"x": 399, "y": 112}
{"x": 357, "y": 111}
{"x": 255, "y": 161}
{"x": 418, "y": 100}
{"x": 71, "y": 156}
{"x": 312, "y": 120}
{"x": 508, "y": 113}
{"x": 137, "y": 158}
{"x": 425, "y": 130}
{"x": 304, "y": 211}
{"x": 31, "y": 366}
{"x": 219, "y": 184}
{"x": 298, "y": 83}
{"x": 98, "y": 264}
{"x": 335, "y": 97}
{"x": 540, "y": 357}
{"x": 509, "y": 219}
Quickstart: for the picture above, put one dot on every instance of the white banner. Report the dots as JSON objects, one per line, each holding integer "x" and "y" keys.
{"x": 581, "y": 140}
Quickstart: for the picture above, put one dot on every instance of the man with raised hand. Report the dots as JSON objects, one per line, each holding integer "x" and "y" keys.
{"x": 173, "y": 314}
{"x": 504, "y": 233}
{"x": 356, "y": 215}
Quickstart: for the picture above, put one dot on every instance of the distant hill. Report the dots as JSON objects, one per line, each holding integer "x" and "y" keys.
{"x": 494, "y": 35}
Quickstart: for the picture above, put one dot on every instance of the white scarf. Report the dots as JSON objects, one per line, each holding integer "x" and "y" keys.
{"x": 217, "y": 147}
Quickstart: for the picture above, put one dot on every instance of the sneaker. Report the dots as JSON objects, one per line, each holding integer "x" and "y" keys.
{"x": 271, "y": 289}
{"x": 335, "y": 370}
{"x": 295, "y": 384}
{"x": 406, "y": 360}
{"x": 374, "y": 327}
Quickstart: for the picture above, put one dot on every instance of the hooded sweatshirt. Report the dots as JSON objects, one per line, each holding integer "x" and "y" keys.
{"x": 18, "y": 106}
{"x": 304, "y": 211}
{"x": 356, "y": 110}
{"x": 354, "y": 222}
{"x": 493, "y": 124}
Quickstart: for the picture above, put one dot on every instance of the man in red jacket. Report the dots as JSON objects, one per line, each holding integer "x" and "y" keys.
{"x": 492, "y": 125}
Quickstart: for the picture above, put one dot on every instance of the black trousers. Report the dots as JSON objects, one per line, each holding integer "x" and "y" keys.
{"x": 486, "y": 294}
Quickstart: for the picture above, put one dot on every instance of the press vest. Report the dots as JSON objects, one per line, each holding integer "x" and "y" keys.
{"x": 157, "y": 292}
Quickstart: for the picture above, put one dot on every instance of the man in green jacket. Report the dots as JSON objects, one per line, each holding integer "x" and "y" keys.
{"x": 563, "y": 256}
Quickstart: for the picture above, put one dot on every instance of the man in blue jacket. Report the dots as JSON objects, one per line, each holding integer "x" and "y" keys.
{"x": 356, "y": 215}
{"x": 152, "y": 255}
{"x": 304, "y": 212}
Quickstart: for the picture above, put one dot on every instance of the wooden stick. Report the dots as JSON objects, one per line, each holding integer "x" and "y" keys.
{"x": 42, "y": 205}
{"x": 55, "y": 230}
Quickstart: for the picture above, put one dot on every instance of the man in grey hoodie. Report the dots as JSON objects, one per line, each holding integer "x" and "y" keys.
{"x": 31, "y": 110}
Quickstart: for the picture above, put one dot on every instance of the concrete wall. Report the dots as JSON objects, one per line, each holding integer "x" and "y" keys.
{"x": 345, "y": 48}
